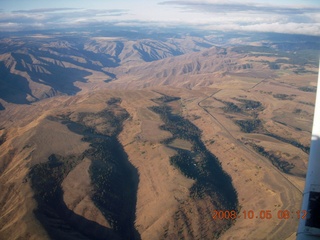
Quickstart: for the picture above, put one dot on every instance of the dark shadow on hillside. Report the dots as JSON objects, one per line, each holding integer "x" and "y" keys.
{"x": 61, "y": 79}
{"x": 59, "y": 221}
{"x": 13, "y": 88}
{"x": 114, "y": 181}
{"x": 105, "y": 60}
{"x": 199, "y": 163}
{"x": 69, "y": 55}
{"x": 210, "y": 180}
{"x": 2, "y": 107}
{"x": 153, "y": 55}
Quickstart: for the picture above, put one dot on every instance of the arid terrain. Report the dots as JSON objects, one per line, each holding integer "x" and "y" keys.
{"x": 107, "y": 137}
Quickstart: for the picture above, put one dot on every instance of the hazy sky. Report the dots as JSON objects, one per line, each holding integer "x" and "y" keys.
{"x": 285, "y": 16}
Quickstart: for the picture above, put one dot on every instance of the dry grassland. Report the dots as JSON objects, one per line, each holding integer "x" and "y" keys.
{"x": 162, "y": 189}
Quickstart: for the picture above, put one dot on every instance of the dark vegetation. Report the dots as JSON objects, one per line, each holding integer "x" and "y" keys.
{"x": 255, "y": 50}
{"x": 250, "y": 125}
{"x": 114, "y": 181}
{"x": 295, "y": 53}
{"x": 279, "y": 163}
{"x": 307, "y": 103}
{"x": 165, "y": 99}
{"x": 54, "y": 215}
{"x": 250, "y": 107}
{"x": 283, "y": 96}
{"x": 198, "y": 164}
{"x": 247, "y": 107}
{"x": 249, "y": 104}
{"x": 306, "y": 149}
{"x": 297, "y": 111}
{"x": 245, "y": 66}
{"x": 302, "y": 70}
{"x": 273, "y": 65}
{"x": 231, "y": 107}
{"x": 256, "y": 126}
{"x": 308, "y": 89}
{"x": 113, "y": 101}
{"x": 211, "y": 182}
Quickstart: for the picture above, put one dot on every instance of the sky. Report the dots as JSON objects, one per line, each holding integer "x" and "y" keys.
{"x": 281, "y": 16}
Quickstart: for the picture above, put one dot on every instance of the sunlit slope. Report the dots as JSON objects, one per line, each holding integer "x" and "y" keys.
{"x": 34, "y": 68}
{"x": 163, "y": 192}
{"x": 66, "y": 181}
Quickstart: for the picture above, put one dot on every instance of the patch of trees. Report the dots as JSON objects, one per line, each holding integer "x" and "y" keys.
{"x": 114, "y": 100}
{"x": 57, "y": 219}
{"x": 111, "y": 124}
{"x": 297, "y": 111}
{"x": 177, "y": 125}
{"x": 246, "y": 66}
{"x": 308, "y": 89}
{"x": 279, "y": 163}
{"x": 306, "y": 149}
{"x": 283, "y": 96}
{"x": 198, "y": 164}
{"x": 249, "y": 104}
{"x": 231, "y": 107}
{"x": 250, "y": 125}
{"x": 273, "y": 65}
{"x": 307, "y": 103}
{"x": 114, "y": 179}
{"x": 115, "y": 183}
{"x": 186, "y": 163}
{"x": 246, "y": 105}
{"x": 259, "y": 50}
{"x": 46, "y": 178}
{"x": 166, "y": 99}
{"x": 302, "y": 70}
{"x": 299, "y": 57}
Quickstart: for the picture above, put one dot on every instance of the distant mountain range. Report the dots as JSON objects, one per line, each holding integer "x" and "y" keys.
{"x": 37, "y": 66}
